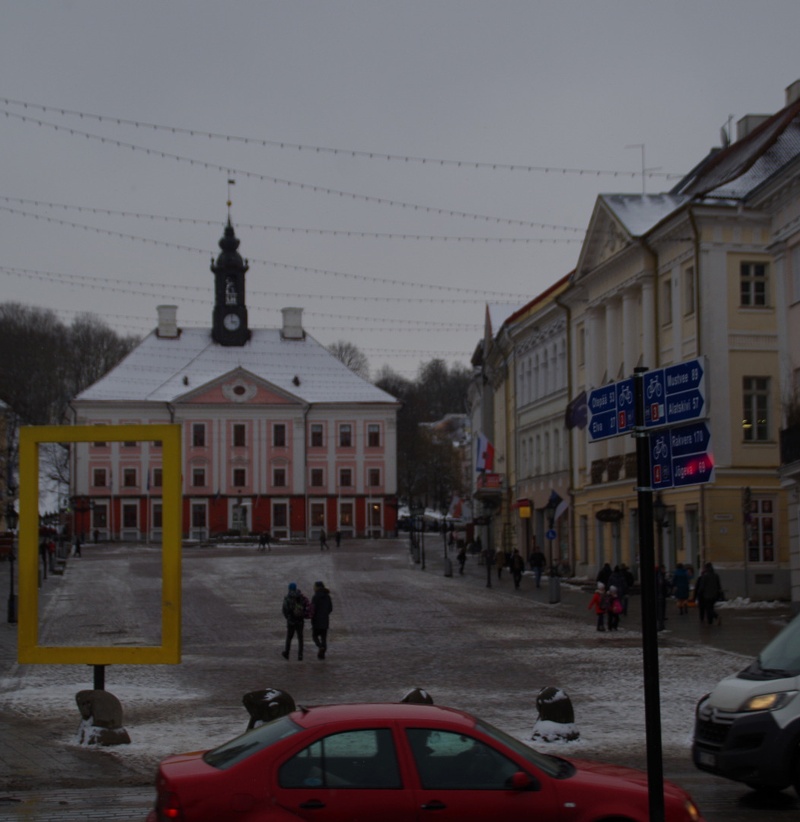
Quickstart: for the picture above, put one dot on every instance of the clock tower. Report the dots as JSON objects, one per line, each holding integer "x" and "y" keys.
{"x": 229, "y": 325}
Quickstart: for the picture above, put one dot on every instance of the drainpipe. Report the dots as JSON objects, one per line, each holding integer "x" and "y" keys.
{"x": 573, "y": 554}
{"x": 305, "y": 477}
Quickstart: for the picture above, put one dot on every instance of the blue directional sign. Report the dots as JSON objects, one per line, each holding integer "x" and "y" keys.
{"x": 612, "y": 409}
{"x": 681, "y": 456}
{"x": 675, "y": 394}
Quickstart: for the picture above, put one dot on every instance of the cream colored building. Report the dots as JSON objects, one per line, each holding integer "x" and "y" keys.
{"x": 663, "y": 279}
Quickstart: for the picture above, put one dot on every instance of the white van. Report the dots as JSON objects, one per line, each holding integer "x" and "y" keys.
{"x": 748, "y": 728}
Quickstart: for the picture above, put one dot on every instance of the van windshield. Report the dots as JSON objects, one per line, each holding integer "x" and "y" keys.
{"x": 782, "y": 656}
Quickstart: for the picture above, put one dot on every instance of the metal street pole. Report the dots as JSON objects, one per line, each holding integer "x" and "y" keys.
{"x": 652, "y": 708}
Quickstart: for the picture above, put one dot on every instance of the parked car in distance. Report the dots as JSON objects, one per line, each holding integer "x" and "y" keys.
{"x": 395, "y": 763}
{"x": 748, "y": 728}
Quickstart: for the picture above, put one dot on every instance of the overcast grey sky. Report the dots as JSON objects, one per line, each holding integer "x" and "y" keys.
{"x": 560, "y": 90}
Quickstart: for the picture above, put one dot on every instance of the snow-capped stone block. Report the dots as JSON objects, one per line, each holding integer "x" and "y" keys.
{"x": 266, "y": 705}
{"x": 101, "y": 722}
{"x": 556, "y": 721}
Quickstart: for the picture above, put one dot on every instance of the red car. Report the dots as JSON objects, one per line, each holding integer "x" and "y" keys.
{"x": 396, "y": 763}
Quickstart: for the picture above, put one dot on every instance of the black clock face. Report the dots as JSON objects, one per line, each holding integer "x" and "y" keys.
{"x": 231, "y": 321}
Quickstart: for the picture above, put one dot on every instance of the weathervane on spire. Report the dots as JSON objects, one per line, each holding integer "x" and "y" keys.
{"x": 230, "y": 202}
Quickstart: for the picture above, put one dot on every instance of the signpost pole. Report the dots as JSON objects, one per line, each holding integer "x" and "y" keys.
{"x": 652, "y": 708}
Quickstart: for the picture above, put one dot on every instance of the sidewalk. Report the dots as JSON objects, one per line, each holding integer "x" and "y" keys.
{"x": 43, "y": 776}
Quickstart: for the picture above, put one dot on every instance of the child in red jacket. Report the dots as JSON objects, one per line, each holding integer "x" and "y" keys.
{"x": 599, "y": 602}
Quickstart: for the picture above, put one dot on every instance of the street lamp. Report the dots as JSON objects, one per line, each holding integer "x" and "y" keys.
{"x": 11, "y": 521}
{"x": 660, "y": 517}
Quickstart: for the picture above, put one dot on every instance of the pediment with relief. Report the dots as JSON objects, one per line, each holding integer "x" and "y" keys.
{"x": 238, "y": 387}
{"x": 605, "y": 238}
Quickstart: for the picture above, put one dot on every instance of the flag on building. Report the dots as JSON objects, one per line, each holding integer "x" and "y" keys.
{"x": 484, "y": 455}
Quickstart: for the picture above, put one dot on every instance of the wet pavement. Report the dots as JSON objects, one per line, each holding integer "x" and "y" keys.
{"x": 395, "y": 626}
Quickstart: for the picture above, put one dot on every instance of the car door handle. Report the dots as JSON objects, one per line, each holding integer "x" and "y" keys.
{"x": 312, "y": 804}
{"x": 436, "y": 805}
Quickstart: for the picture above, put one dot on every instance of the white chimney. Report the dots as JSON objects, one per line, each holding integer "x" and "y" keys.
{"x": 749, "y": 123}
{"x": 292, "y": 324}
{"x": 167, "y": 321}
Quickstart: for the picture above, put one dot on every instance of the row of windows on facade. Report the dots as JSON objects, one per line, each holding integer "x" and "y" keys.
{"x": 101, "y": 478}
{"x": 199, "y": 515}
{"x": 239, "y": 436}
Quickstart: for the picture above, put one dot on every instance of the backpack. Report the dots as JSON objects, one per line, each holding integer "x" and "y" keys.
{"x": 298, "y": 605}
{"x": 604, "y": 600}
{"x": 616, "y": 606}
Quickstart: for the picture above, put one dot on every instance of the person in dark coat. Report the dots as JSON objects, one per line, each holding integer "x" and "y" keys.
{"x": 604, "y": 575}
{"x": 680, "y": 584}
{"x": 321, "y": 606}
{"x": 462, "y": 558}
{"x": 619, "y": 581}
{"x": 517, "y": 567}
{"x": 707, "y": 592}
{"x": 295, "y": 607}
{"x": 538, "y": 561}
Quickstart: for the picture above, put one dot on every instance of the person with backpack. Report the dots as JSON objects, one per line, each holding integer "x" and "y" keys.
{"x": 321, "y": 608}
{"x": 599, "y": 602}
{"x": 296, "y": 608}
{"x": 614, "y": 608}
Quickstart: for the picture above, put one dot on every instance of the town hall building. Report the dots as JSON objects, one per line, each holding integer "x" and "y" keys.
{"x": 279, "y": 436}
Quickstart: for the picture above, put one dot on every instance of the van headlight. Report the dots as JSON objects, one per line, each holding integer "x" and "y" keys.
{"x": 769, "y": 702}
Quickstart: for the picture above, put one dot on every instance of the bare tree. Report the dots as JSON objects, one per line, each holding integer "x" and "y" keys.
{"x": 351, "y": 356}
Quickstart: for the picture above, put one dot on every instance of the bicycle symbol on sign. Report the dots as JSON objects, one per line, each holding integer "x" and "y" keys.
{"x": 660, "y": 449}
{"x": 625, "y": 395}
{"x": 654, "y": 389}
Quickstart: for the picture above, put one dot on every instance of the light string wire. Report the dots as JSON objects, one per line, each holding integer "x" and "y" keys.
{"x": 265, "y": 178}
{"x": 355, "y": 153}
{"x": 275, "y": 264}
{"x": 108, "y": 284}
{"x": 330, "y": 232}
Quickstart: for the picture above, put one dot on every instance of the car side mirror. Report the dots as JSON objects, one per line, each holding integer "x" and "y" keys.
{"x": 520, "y": 781}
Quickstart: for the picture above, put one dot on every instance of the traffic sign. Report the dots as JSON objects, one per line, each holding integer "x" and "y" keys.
{"x": 612, "y": 409}
{"x": 675, "y": 394}
{"x": 681, "y": 456}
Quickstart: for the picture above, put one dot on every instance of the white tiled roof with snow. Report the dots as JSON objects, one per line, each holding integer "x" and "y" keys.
{"x": 165, "y": 369}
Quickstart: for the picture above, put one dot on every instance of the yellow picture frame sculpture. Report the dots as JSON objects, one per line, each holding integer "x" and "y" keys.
{"x": 28, "y": 648}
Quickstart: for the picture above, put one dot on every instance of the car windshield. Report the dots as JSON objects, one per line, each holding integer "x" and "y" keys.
{"x": 551, "y": 765}
{"x": 228, "y": 754}
{"x": 782, "y": 655}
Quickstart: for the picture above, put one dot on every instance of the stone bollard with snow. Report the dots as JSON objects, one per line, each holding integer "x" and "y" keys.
{"x": 556, "y": 722}
{"x": 101, "y": 722}
{"x": 418, "y": 696}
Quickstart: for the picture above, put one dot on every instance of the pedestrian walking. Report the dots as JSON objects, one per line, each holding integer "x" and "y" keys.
{"x": 517, "y": 567}
{"x": 619, "y": 580}
{"x": 323, "y": 540}
{"x": 462, "y": 558}
{"x": 500, "y": 563}
{"x": 264, "y": 541}
{"x": 614, "y": 608}
{"x": 338, "y": 538}
{"x": 296, "y": 608}
{"x": 599, "y": 602}
{"x": 707, "y": 593}
{"x": 604, "y": 574}
{"x": 537, "y": 564}
{"x": 321, "y": 608}
{"x": 77, "y": 546}
{"x": 680, "y": 584}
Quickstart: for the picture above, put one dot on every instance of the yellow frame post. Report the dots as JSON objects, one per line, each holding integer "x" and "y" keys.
{"x": 29, "y": 650}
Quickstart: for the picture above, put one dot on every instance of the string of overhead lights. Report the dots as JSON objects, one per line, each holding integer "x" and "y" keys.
{"x": 355, "y": 153}
{"x": 275, "y": 264}
{"x": 265, "y": 178}
{"x": 107, "y": 284}
{"x": 329, "y": 232}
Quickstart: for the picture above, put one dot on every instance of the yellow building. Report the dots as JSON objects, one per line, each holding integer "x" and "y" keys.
{"x": 663, "y": 279}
